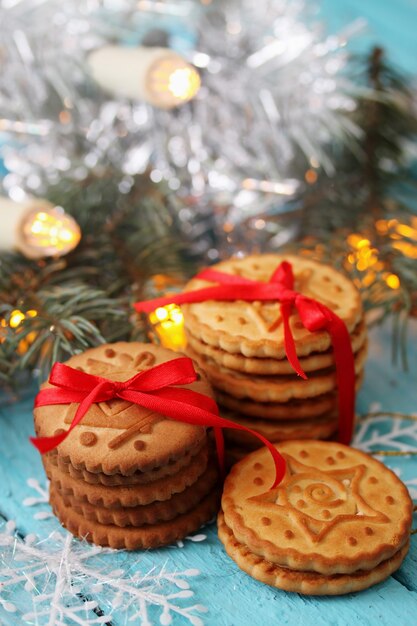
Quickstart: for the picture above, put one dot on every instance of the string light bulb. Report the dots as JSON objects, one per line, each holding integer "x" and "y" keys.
{"x": 168, "y": 324}
{"x": 158, "y": 76}
{"x": 37, "y": 228}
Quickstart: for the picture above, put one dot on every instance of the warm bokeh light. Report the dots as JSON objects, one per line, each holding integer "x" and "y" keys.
{"x": 392, "y": 281}
{"x": 14, "y": 321}
{"x": 168, "y": 324}
{"x": 173, "y": 81}
{"x": 49, "y": 232}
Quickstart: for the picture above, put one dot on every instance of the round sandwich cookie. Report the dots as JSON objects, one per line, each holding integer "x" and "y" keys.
{"x": 272, "y": 388}
{"x": 322, "y": 427}
{"x": 152, "y": 513}
{"x": 290, "y": 410}
{"x": 122, "y": 496}
{"x": 135, "y": 537}
{"x": 270, "y": 367}
{"x": 138, "y": 478}
{"x": 255, "y": 329}
{"x": 338, "y": 522}
{"x": 116, "y": 436}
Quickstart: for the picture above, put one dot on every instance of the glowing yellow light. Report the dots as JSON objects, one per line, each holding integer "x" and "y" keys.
{"x": 363, "y": 243}
{"x": 392, "y": 281}
{"x": 408, "y": 249}
{"x": 406, "y": 231}
{"x": 16, "y": 318}
{"x": 184, "y": 83}
{"x": 168, "y": 324}
{"x": 49, "y": 233}
{"x": 362, "y": 265}
{"x": 173, "y": 81}
{"x": 161, "y": 314}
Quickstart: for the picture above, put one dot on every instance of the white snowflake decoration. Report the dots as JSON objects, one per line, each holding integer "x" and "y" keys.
{"x": 41, "y": 498}
{"x": 384, "y": 433}
{"x": 60, "y": 578}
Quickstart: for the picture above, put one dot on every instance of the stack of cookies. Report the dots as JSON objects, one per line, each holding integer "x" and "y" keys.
{"x": 127, "y": 477}
{"x": 339, "y": 522}
{"x": 240, "y": 346}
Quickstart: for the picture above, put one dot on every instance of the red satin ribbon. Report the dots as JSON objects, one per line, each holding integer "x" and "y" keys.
{"x": 152, "y": 389}
{"x": 313, "y": 315}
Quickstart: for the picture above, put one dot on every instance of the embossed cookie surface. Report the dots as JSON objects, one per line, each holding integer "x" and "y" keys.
{"x": 118, "y": 437}
{"x": 309, "y": 583}
{"x": 255, "y": 329}
{"x": 336, "y": 511}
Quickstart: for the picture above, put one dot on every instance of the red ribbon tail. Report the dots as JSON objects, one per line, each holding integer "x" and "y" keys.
{"x": 289, "y": 340}
{"x": 46, "y": 444}
{"x": 345, "y": 373}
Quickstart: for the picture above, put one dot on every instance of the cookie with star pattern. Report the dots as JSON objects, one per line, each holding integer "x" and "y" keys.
{"x": 255, "y": 329}
{"x": 308, "y": 583}
{"x": 116, "y": 436}
{"x": 336, "y": 511}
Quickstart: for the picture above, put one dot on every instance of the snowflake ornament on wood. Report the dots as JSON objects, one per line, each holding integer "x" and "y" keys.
{"x": 58, "y": 581}
{"x": 389, "y": 432}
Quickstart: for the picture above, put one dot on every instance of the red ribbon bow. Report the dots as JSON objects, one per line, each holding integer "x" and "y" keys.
{"x": 152, "y": 389}
{"x": 314, "y": 316}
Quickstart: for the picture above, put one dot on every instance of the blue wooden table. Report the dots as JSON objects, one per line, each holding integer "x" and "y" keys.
{"x": 46, "y": 577}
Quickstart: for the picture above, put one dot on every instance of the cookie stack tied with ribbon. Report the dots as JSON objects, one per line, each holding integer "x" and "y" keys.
{"x": 122, "y": 474}
{"x": 338, "y": 522}
{"x": 284, "y": 388}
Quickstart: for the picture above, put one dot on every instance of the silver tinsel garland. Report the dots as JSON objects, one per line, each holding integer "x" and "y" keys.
{"x": 275, "y": 94}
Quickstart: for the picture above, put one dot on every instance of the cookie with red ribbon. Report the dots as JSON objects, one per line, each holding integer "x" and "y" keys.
{"x": 117, "y": 436}
{"x": 339, "y": 521}
{"x": 123, "y": 431}
{"x": 255, "y": 328}
{"x": 272, "y": 388}
{"x": 245, "y": 316}
{"x": 309, "y": 408}
{"x": 315, "y": 362}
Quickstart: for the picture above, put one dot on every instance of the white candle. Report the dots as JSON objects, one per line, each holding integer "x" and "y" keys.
{"x": 36, "y": 228}
{"x": 156, "y": 75}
